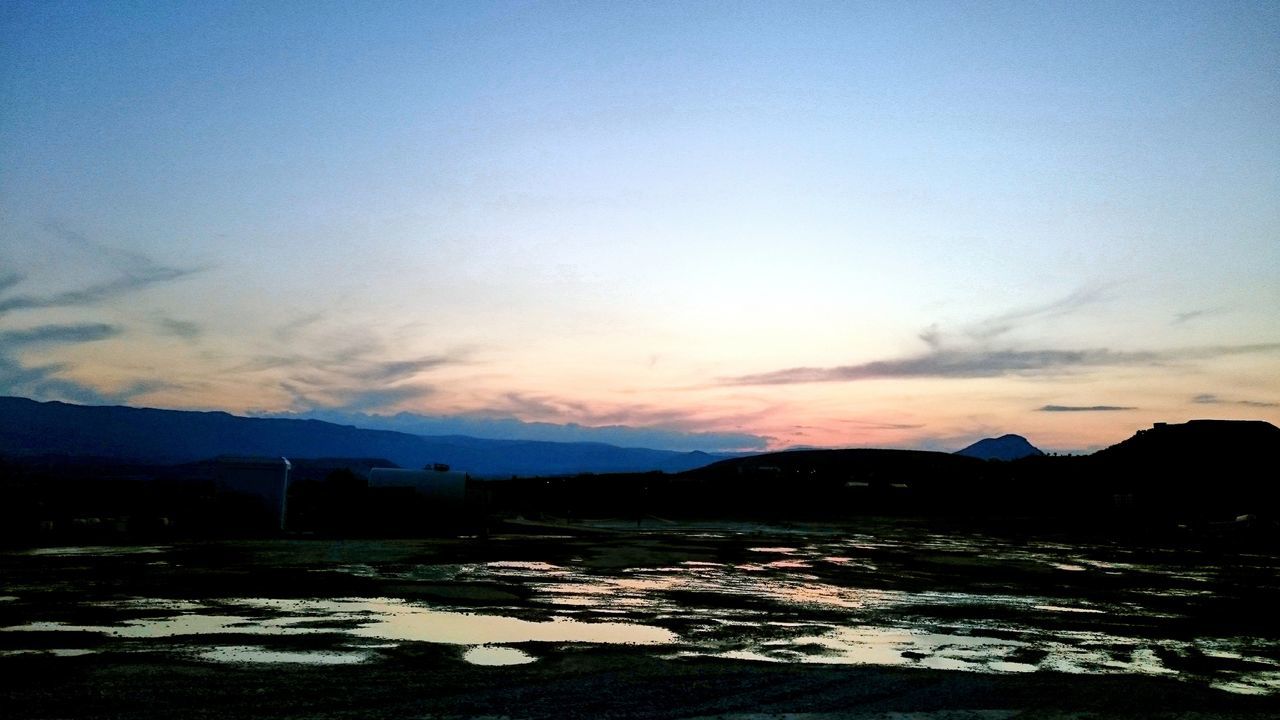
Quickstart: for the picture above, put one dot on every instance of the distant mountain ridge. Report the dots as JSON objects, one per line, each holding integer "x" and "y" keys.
{"x": 28, "y": 427}
{"x": 1005, "y": 447}
{"x": 513, "y": 429}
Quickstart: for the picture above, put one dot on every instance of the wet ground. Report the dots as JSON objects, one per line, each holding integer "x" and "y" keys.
{"x": 877, "y": 617}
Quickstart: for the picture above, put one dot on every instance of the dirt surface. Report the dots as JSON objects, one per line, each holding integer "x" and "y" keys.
{"x": 877, "y": 620}
{"x": 427, "y": 683}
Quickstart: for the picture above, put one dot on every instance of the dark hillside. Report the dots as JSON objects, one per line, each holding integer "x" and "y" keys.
{"x": 833, "y": 482}
{"x": 1201, "y": 468}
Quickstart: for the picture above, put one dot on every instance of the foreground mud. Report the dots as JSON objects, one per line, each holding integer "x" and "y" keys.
{"x": 717, "y": 620}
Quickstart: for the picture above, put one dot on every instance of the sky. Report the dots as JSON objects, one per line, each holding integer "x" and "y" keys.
{"x": 695, "y": 225}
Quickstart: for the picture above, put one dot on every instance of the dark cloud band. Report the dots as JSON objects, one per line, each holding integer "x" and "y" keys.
{"x": 1084, "y": 408}
{"x": 940, "y": 363}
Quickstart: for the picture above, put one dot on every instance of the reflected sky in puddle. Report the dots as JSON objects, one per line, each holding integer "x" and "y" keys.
{"x": 1264, "y": 683}
{"x": 396, "y": 620}
{"x": 649, "y": 589}
{"x": 91, "y": 550}
{"x": 538, "y": 567}
{"x": 1059, "y": 608}
{"x": 179, "y": 625}
{"x": 375, "y": 618}
{"x": 1075, "y": 653}
{"x": 869, "y": 645}
{"x": 497, "y": 655}
{"x": 56, "y": 652}
{"x": 827, "y": 599}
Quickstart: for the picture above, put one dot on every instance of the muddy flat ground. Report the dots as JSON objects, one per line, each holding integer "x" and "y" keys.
{"x": 875, "y": 619}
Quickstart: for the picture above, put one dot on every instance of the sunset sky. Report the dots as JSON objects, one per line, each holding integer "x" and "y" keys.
{"x": 732, "y": 225}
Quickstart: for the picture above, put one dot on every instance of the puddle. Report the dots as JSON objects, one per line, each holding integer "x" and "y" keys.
{"x": 497, "y": 655}
{"x": 1083, "y": 653}
{"x": 534, "y": 567}
{"x": 955, "y": 602}
{"x": 869, "y": 645}
{"x": 56, "y": 652}
{"x": 788, "y": 564}
{"x": 96, "y": 550}
{"x": 396, "y": 620}
{"x": 1266, "y": 683}
{"x": 166, "y": 627}
{"x": 1059, "y": 608}
{"x": 374, "y": 618}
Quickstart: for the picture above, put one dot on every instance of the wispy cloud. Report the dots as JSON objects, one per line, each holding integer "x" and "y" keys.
{"x": 1000, "y": 324}
{"x": 941, "y": 363}
{"x": 980, "y": 357}
{"x": 1211, "y": 399}
{"x": 556, "y": 409}
{"x": 629, "y": 419}
{"x": 394, "y": 371}
{"x": 9, "y": 280}
{"x": 134, "y": 272}
{"x": 537, "y": 406}
{"x": 48, "y": 381}
{"x": 90, "y": 295}
{"x": 1084, "y": 408}
{"x": 124, "y": 272}
{"x": 351, "y": 378}
{"x": 959, "y": 364}
{"x": 290, "y": 330}
{"x": 179, "y": 328}
{"x": 17, "y": 378}
{"x": 354, "y": 399}
{"x": 57, "y": 335}
{"x": 1190, "y": 315}
{"x": 44, "y": 382}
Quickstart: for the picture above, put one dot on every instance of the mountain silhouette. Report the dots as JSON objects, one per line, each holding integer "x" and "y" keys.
{"x": 1005, "y": 447}
{"x": 1218, "y": 467}
{"x": 1199, "y": 441}
{"x": 31, "y": 428}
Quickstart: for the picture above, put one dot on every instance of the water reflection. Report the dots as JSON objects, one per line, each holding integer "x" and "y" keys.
{"x": 954, "y": 602}
{"x": 497, "y": 655}
{"x": 376, "y": 618}
{"x": 70, "y": 551}
{"x": 56, "y": 652}
{"x": 396, "y": 620}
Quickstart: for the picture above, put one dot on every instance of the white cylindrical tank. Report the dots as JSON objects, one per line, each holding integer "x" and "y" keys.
{"x": 443, "y": 486}
{"x": 263, "y": 478}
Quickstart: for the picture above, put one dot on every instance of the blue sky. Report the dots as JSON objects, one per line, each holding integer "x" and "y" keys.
{"x": 762, "y": 224}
